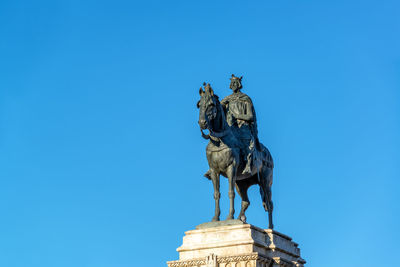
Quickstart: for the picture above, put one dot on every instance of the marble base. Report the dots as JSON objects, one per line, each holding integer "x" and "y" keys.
{"x": 234, "y": 244}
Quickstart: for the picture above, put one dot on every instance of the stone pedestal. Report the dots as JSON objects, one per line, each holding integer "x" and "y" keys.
{"x": 235, "y": 244}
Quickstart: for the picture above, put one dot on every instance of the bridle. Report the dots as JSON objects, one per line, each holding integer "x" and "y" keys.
{"x": 212, "y": 132}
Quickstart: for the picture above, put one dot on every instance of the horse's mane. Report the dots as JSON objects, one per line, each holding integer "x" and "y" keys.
{"x": 221, "y": 110}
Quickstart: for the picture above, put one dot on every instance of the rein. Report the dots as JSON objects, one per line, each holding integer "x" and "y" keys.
{"x": 213, "y": 133}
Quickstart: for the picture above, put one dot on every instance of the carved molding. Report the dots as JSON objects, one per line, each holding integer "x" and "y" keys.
{"x": 246, "y": 257}
{"x": 222, "y": 259}
{"x": 196, "y": 262}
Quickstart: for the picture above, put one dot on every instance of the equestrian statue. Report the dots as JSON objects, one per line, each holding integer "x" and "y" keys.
{"x": 234, "y": 150}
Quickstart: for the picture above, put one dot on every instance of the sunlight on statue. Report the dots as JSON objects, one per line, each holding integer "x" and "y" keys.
{"x": 234, "y": 150}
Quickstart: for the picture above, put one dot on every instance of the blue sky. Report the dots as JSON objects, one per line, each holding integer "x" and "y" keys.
{"x": 101, "y": 158}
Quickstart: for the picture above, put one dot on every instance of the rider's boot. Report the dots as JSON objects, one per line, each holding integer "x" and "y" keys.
{"x": 208, "y": 175}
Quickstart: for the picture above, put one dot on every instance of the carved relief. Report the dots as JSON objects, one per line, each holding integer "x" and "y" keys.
{"x": 197, "y": 262}
{"x": 246, "y": 260}
{"x": 211, "y": 260}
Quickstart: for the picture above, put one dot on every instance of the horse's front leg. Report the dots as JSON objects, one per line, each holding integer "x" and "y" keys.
{"x": 217, "y": 194}
{"x": 231, "y": 173}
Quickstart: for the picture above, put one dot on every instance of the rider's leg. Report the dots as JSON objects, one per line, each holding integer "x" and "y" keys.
{"x": 249, "y": 157}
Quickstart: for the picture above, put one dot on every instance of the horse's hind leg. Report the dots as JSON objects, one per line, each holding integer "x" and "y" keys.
{"x": 217, "y": 194}
{"x": 241, "y": 188}
{"x": 270, "y": 207}
{"x": 266, "y": 194}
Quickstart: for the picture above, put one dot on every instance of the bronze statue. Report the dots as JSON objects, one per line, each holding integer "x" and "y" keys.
{"x": 234, "y": 149}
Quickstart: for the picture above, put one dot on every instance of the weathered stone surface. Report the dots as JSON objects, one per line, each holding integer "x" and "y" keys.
{"x": 219, "y": 223}
{"x": 240, "y": 245}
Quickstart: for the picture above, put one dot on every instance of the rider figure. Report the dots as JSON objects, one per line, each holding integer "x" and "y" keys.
{"x": 241, "y": 116}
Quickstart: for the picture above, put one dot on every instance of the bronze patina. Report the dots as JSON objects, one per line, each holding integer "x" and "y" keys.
{"x": 234, "y": 150}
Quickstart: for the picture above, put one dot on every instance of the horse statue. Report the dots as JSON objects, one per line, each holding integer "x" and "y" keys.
{"x": 225, "y": 155}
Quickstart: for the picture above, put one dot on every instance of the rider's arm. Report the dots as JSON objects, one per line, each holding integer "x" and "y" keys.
{"x": 247, "y": 117}
{"x": 224, "y": 102}
{"x": 249, "y": 114}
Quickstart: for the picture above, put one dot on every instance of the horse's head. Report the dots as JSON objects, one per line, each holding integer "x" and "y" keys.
{"x": 236, "y": 83}
{"x": 207, "y": 106}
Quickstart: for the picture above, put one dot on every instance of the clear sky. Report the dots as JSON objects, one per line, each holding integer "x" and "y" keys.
{"x": 101, "y": 158}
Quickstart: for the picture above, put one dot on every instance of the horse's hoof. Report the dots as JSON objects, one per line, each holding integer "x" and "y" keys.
{"x": 230, "y": 217}
{"x": 215, "y": 219}
{"x": 242, "y": 218}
